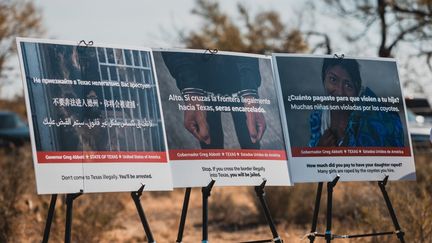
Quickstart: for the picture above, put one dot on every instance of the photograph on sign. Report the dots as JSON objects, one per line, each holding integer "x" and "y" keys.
{"x": 95, "y": 117}
{"x": 344, "y": 117}
{"x": 222, "y": 118}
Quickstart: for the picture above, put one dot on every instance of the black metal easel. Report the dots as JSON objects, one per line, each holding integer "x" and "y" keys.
{"x": 68, "y": 223}
{"x": 206, "y": 192}
{"x": 259, "y": 190}
{"x": 205, "y": 195}
{"x": 69, "y": 206}
{"x": 328, "y": 234}
{"x": 183, "y": 215}
{"x": 136, "y": 197}
{"x": 49, "y": 218}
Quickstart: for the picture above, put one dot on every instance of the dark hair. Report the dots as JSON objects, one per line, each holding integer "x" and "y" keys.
{"x": 350, "y": 65}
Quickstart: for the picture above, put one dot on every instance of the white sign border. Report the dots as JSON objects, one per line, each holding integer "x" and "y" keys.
{"x": 78, "y": 168}
{"x": 298, "y": 174}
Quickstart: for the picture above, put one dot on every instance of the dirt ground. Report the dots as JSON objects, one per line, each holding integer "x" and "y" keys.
{"x": 163, "y": 213}
{"x": 112, "y": 217}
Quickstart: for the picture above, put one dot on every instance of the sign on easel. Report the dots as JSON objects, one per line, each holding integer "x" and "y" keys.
{"x": 222, "y": 118}
{"x": 95, "y": 117}
{"x": 344, "y": 117}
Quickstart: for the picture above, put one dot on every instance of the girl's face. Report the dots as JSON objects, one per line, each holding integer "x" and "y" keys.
{"x": 338, "y": 82}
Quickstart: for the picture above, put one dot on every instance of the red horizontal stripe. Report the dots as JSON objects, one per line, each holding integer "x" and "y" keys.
{"x": 231, "y": 154}
{"x": 349, "y": 151}
{"x": 101, "y": 157}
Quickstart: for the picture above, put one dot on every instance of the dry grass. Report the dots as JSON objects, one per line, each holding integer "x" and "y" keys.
{"x": 234, "y": 214}
{"x": 16, "y": 105}
{"x": 16, "y": 190}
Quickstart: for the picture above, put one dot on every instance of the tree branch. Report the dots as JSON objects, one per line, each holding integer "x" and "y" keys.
{"x": 402, "y": 34}
{"x": 383, "y": 51}
{"x": 416, "y": 12}
{"x": 326, "y": 43}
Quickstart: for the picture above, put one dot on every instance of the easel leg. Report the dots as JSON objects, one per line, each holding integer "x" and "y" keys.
{"x": 260, "y": 193}
{"x": 399, "y": 232}
{"x": 330, "y": 186}
{"x": 69, "y": 206}
{"x": 136, "y": 197}
{"x": 316, "y": 212}
{"x": 183, "y": 215}
{"x": 205, "y": 195}
{"x": 49, "y": 218}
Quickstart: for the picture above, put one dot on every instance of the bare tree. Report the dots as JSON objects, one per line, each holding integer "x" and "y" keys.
{"x": 398, "y": 21}
{"x": 261, "y": 33}
{"x": 17, "y": 18}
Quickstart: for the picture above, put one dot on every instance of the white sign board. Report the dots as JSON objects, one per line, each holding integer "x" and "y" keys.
{"x": 222, "y": 118}
{"x": 344, "y": 116}
{"x": 95, "y": 117}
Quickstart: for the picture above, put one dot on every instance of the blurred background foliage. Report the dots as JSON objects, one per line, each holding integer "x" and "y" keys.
{"x": 358, "y": 207}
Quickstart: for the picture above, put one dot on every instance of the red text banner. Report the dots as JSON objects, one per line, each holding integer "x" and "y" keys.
{"x": 349, "y": 151}
{"x": 101, "y": 157}
{"x": 224, "y": 154}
